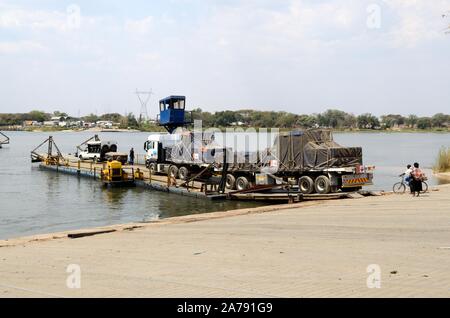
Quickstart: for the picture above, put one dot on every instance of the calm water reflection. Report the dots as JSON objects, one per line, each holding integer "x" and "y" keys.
{"x": 34, "y": 201}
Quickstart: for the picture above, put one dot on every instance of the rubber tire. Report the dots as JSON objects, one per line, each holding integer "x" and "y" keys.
{"x": 184, "y": 173}
{"x": 306, "y": 185}
{"x": 80, "y": 157}
{"x": 231, "y": 182}
{"x": 424, "y": 187}
{"x": 152, "y": 167}
{"x": 242, "y": 183}
{"x": 322, "y": 185}
{"x": 399, "y": 187}
{"x": 173, "y": 172}
{"x": 95, "y": 159}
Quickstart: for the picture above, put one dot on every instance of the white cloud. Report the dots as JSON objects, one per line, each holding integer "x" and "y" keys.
{"x": 252, "y": 52}
{"x": 223, "y": 42}
{"x": 315, "y": 26}
{"x": 416, "y": 21}
{"x": 21, "y": 47}
{"x": 148, "y": 57}
{"x": 286, "y": 31}
{"x": 33, "y": 19}
{"x": 139, "y": 27}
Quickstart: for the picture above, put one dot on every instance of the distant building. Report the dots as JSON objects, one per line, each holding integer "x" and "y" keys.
{"x": 56, "y": 121}
{"x": 74, "y": 123}
{"x": 105, "y": 124}
{"x": 32, "y": 123}
{"x": 88, "y": 125}
{"x": 58, "y": 118}
{"x": 51, "y": 123}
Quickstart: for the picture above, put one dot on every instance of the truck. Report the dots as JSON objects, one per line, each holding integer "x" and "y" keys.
{"x": 98, "y": 150}
{"x": 171, "y": 154}
{"x": 310, "y": 159}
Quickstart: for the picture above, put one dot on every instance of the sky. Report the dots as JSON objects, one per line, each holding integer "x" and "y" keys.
{"x": 301, "y": 56}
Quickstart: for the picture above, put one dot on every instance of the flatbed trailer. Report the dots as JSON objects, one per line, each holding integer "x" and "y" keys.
{"x": 309, "y": 159}
{"x": 320, "y": 181}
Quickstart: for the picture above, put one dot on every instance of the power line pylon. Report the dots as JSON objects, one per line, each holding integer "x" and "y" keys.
{"x": 144, "y": 98}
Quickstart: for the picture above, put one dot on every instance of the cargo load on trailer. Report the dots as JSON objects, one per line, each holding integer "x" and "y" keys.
{"x": 314, "y": 150}
{"x": 311, "y": 159}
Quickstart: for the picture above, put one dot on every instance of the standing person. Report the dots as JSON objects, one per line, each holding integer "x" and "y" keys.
{"x": 131, "y": 157}
{"x": 416, "y": 180}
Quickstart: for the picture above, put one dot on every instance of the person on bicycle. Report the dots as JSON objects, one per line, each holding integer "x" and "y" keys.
{"x": 417, "y": 177}
{"x": 407, "y": 174}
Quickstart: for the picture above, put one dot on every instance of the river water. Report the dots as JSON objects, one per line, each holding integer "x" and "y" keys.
{"x": 34, "y": 201}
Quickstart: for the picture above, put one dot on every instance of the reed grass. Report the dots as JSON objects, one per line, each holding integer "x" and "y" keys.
{"x": 443, "y": 161}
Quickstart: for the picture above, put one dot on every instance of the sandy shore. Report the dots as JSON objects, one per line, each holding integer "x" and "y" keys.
{"x": 309, "y": 250}
{"x": 443, "y": 175}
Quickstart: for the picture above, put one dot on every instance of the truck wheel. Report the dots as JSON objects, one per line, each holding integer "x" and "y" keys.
{"x": 230, "y": 184}
{"x": 152, "y": 167}
{"x": 322, "y": 185}
{"x": 173, "y": 171}
{"x": 184, "y": 173}
{"x": 95, "y": 160}
{"x": 242, "y": 183}
{"x": 306, "y": 185}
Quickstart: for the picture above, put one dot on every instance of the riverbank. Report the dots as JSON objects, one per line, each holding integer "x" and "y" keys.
{"x": 443, "y": 176}
{"x": 307, "y": 250}
{"x": 94, "y": 130}
{"x": 76, "y": 130}
{"x": 161, "y": 129}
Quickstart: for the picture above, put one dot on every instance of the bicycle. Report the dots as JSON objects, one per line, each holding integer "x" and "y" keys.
{"x": 400, "y": 187}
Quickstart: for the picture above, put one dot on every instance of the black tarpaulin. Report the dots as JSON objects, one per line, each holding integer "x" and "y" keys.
{"x": 313, "y": 149}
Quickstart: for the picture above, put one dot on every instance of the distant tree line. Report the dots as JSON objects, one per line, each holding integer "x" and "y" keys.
{"x": 16, "y": 119}
{"x": 331, "y": 118}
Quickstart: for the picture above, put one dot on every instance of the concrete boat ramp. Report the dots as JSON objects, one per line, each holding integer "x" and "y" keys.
{"x": 311, "y": 249}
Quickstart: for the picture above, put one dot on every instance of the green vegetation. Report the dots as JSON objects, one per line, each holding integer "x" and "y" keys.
{"x": 18, "y": 119}
{"x": 332, "y": 118}
{"x": 443, "y": 161}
